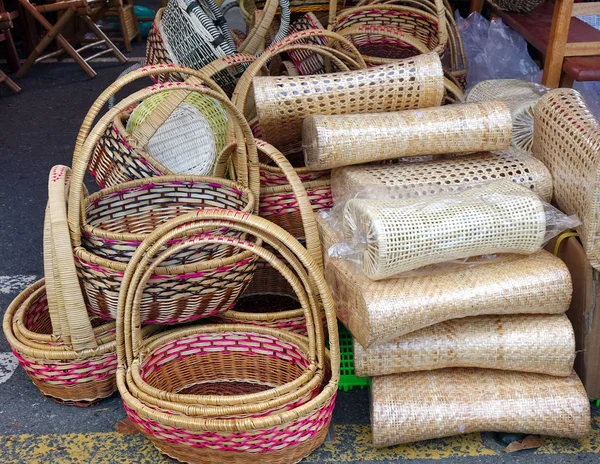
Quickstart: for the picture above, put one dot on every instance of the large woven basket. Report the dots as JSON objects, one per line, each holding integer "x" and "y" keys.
{"x": 270, "y": 402}
{"x": 306, "y": 61}
{"x": 524, "y": 343}
{"x": 331, "y": 141}
{"x": 157, "y": 54}
{"x": 520, "y": 97}
{"x": 282, "y": 106}
{"x": 567, "y": 141}
{"x": 406, "y": 234}
{"x": 378, "y": 312}
{"x": 444, "y": 175}
{"x": 445, "y": 402}
{"x": 116, "y": 220}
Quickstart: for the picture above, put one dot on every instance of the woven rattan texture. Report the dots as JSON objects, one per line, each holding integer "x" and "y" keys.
{"x": 331, "y": 141}
{"x": 308, "y": 63}
{"x": 283, "y": 102}
{"x": 378, "y": 312}
{"x": 567, "y": 141}
{"x": 444, "y": 175}
{"x": 156, "y": 53}
{"x": 520, "y": 97}
{"x": 526, "y": 343}
{"x": 406, "y": 234}
{"x": 517, "y": 6}
{"x": 445, "y": 402}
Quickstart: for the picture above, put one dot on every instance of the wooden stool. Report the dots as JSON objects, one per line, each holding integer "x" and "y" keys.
{"x": 68, "y": 9}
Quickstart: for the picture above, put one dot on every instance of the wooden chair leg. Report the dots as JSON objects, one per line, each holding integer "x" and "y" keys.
{"x": 12, "y": 57}
{"x": 101, "y": 35}
{"x": 9, "y": 82}
{"x": 566, "y": 81}
{"x": 124, "y": 32}
{"x": 553, "y": 62}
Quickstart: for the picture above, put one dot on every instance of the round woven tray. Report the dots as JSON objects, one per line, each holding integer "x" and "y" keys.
{"x": 525, "y": 343}
{"x": 520, "y": 97}
{"x": 445, "y": 402}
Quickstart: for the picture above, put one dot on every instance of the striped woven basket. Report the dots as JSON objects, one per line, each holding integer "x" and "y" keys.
{"x": 240, "y": 394}
{"x": 157, "y": 54}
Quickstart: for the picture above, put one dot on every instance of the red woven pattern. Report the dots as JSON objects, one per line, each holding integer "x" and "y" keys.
{"x": 270, "y": 179}
{"x": 285, "y": 203}
{"x": 259, "y": 441}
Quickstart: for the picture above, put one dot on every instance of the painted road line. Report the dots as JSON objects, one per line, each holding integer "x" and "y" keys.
{"x": 352, "y": 443}
{"x": 15, "y": 283}
{"x": 8, "y": 364}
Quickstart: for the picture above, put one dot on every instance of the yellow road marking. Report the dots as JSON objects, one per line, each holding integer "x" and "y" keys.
{"x": 351, "y": 443}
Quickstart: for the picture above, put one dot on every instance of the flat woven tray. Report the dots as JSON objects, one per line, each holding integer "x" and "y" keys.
{"x": 445, "y": 175}
{"x": 527, "y": 343}
{"x": 331, "y": 141}
{"x": 283, "y": 102}
{"x": 433, "y": 404}
{"x": 382, "y": 311}
{"x": 567, "y": 141}
{"x": 406, "y": 234}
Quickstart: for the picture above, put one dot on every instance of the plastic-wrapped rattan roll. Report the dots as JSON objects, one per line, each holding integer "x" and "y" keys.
{"x": 381, "y": 311}
{"x": 331, "y": 141}
{"x": 406, "y": 234}
{"x": 520, "y": 97}
{"x": 442, "y": 175}
{"x": 282, "y": 103}
{"x": 567, "y": 141}
{"x": 445, "y": 402}
{"x": 525, "y": 343}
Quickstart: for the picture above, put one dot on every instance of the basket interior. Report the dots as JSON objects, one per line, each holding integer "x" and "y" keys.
{"x": 266, "y": 303}
{"x": 37, "y": 317}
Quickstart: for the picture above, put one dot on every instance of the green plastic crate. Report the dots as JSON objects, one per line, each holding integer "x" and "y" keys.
{"x": 348, "y": 380}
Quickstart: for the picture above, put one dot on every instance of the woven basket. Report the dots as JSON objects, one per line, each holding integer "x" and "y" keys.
{"x": 157, "y": 54}
{"x": 281, "y": 107}
{"x": 517, "y": 6}
{"x": 443, "y": 175}
{"x": 116, "y": 220}
{"x": 378, "y": 312}
{"x": 520, "y": 97}
{"x": 445, "y": 402}
{"x": 270, "y": 402}
{"x": 524, "y": 343}
{"x": 331, "y": 141}
{"x": 567, "y": 141}
{"x": 307, "y": 62}
{"x": 453, "y": 90}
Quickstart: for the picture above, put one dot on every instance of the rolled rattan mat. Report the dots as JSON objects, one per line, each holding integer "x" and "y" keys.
{"x": 282, "y": 102}
{"x": 405, "y": 234}
{"x": 520, "y": 97}
{"x": 445, "y": 175}
{"x": 567, "y": 141}
{"x": 331, "y": 141}
{"x": 445, "y": 402}
{"x": 542, "y": 344}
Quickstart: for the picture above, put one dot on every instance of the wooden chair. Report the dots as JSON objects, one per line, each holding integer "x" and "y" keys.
{"x": 67, "y": 10}
{"x": 6, "y": 24}
{"x": 129, "y": 28}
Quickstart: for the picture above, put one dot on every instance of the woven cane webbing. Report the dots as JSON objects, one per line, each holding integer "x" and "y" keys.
{"x": 567, "y": 141}
{"x": 406, "y": 234}
{"x": 445, "y": 175}
{"x": 283, "y": 102}
{"x": 520, "y": 97}
{"x": 331, "y": 141}
{"x": 525, "y": 343}
{"x": 445, "y": 402}
{"x": 381, "y": 311}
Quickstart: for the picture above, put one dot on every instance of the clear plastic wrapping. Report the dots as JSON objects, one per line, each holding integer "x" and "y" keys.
{"x": 389, "y": 237}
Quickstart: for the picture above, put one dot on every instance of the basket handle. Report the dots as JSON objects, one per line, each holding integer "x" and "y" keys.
{"x": 257, "y": 34}
{"x": 76, "y": 327}
{"x": 76, "y": 214}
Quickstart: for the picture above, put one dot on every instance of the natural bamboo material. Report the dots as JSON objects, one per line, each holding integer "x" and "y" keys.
{"x": 441, "y": 175}
{"x": 378, "y": 312}
{"x": 567, "y": 141}
{"x": 157, "y": 54}
{"x": 525, "y": 343}
{"x": 406, "y": 234}
{"x": 445, "y": 402}
{"x": 520, "y": 97}
{"x": 282, "y": 102}
{"x": 331, "y": 141}
{"x": 267, "y": 424}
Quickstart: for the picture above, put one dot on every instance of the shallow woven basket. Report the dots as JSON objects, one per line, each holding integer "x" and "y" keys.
{"x": 445, "y": 402}
{"x": 270, "y": 402}
{"x": 331, "y": 141}
{"x": 116, "y": 220}
{"x": 443, "y": 175}
{"x": 406, "y": 234}
{"x": 157, "y": 54}
{"x": 567, "y": 141}
{"x": 282, "y": 103}
{"x": 520, "y": 97}
{"x": 524, "y": 343}
{"x": 378, "y": 312}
